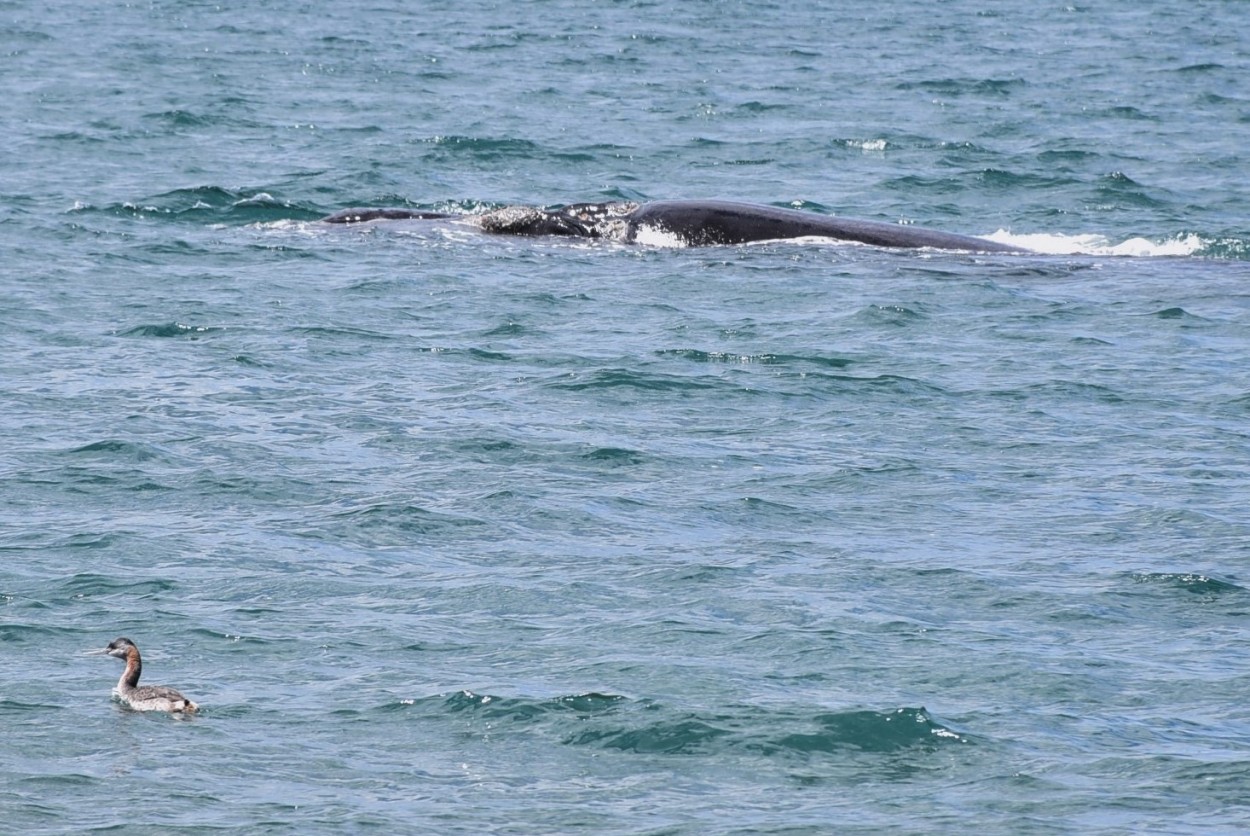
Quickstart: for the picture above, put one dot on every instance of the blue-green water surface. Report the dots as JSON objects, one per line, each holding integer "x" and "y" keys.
{"x": 466, "y": 534}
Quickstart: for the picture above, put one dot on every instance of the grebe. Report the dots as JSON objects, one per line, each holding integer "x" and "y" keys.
{"x": 143, "y": 697}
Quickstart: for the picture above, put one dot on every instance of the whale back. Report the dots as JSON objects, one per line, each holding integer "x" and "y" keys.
{"x": 718, "y": 222}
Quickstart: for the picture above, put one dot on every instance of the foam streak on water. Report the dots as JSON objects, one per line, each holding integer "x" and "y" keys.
{"x": 453, "y": 532}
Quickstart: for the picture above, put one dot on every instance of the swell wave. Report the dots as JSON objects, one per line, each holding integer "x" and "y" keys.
{"x": 210, "y": 204}
{"x": 643, "y": 726}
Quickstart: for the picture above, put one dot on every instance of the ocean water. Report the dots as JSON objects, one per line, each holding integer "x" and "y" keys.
{"x": 462, "y": 534}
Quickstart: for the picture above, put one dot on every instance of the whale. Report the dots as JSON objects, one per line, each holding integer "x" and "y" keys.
{"x": 692, "y": 223}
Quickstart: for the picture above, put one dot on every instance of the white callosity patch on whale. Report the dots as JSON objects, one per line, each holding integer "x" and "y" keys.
{"x": 508, "y": 219}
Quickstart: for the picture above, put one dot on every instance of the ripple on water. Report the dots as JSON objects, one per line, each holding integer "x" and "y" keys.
{"x": 617, "y": 723}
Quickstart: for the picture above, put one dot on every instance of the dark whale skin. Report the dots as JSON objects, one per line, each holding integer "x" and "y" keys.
{"x": 719, "y": 222}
